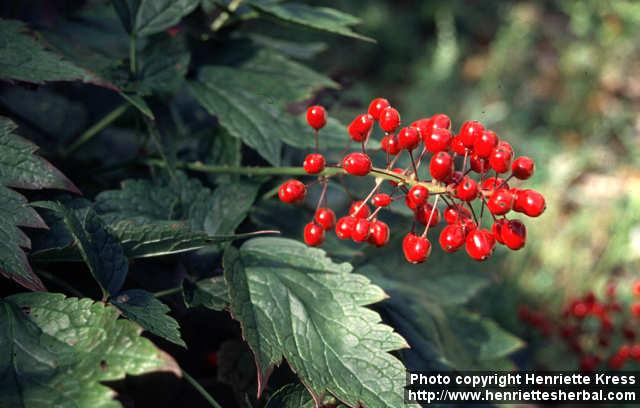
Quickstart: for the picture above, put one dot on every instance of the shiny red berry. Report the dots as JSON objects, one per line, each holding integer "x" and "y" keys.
{"x": 378, "y": 233}
{"x": 479, "y": 244}
{"x": 313, "y": 234}
{"x": 468, "y": 225}
{"x": 529, "y": 202}
{"x": 423, "y": 214}
{"x": 467, "y": 189}
{"x": 316, "y": 117}
{"x": 441, "y": 121}
{"x": 496, "y": 229}
{"x": 416, "y": 249}
{"x": 455, "y": 213}
{"x": 357, "y": 164}
{"x": 479, "y": 164}
{"x": 492, "y": 183}
{"x": 452, "y": 237}
{"x": 360, "y": 128}
{"x": 325, "y": 217}
{"x": 417, "y": 196}
{"x": 381, "y": 200}
{"x": 314, "y": 163}
{"x": 361, "y": 230}
{"x": 424, "y": 126}
{"x": 376, "y": 106}
{"x": 408, "y": 138}
{"x": 359, "y": 210}
{"x": 513, "y": 234}
{"x": 345, "y": 226}
{"x": 484, "y": 143}
{"x": 389, "y": 144}
{"x": 439, "y": 140}
{"x": 500, "y": 160}
{"x": 523, "y": 167}
{"x": 441, "y": 166}
{"x": 292, "y": 191}
{"x": 389, "y": 119}
{"x": 500, "y": 202}
{"x": 635, "y": 289}
{"x": 457, "y": 146}
{"x": 469, "y": 132}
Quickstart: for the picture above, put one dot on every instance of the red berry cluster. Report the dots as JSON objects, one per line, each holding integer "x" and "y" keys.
{"x": 453, "y": 160}
{"x": 595, "y": 330}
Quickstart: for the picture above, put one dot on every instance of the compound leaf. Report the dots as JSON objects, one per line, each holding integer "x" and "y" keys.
{"x": 57, "y": 351}
{"x": 293, "y": 302}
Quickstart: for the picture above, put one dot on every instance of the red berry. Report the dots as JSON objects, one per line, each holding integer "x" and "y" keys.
{"x": 441, "y": 121}
{"x": 378, "y": 233}
{"x": 513, "y": 234}
{"x": 452, "y": 237}
{"x": 500, "y": 160}
{"x": 492, "y": 183}
{"x": 484, "y": 143}
{"x": 360, "y": 231}
{"x": 468, "y": 225}
{"x": 523, "y": 167}
{"x": 313, "y": 234}
{"x": 441, "y": 166}
{"x": 635, "y": 309}
{"x": 423, "y": 212}
{"x": 529, "y": 202}
{"x": 292, "y": 191}
{"x": 589, "y": 363}
{"x": 424, "y": 126}
{"x": 417, "y": 196}
{"x": 389, "y": 144}
{"x": 467, "y": 189}
{"x": 408, "y": 138}
{"x": 376, "y": 106}
{"x": 479, "y": 164}
{"x": 496, "y": 229}
{"x": 457, "y": 146}
{"x": 359, "y": 210}
{"x": 455, "y": 213}
{"x": 416, "y": 249}
{"x": 636, "y": 288}
{"x": 389, "y": 119}
{"x": 360, "y": 128}
{"x": 439, "y": 140}
{"x": 500, "y": 202}
{"x": 316, "y": 117}
{"x": 616, "y": 361}
{"x": 357, "y": 164}
{"x": 325, "y": 217}
{"x": 313, "y": 163}
{"x": 381, "y": 200}
{"x": 479, "y": 244}
{"x": 345, "y": 226}
{"x": 469, "y": 132}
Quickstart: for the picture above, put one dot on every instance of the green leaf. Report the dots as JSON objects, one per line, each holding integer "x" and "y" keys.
{"x": 319, "y": 18}
{"x": 249, "y": 99}
{"x": 20, "y": 168}
{"x": 295, "y": 303}
{"x": 143, "y": 308}
{"x": 24, "y": 58}
{"x": 164, "y": 64}
{"x": 57, "y": 351}
{"x": 99, "y": 248}
{"x": 291, "y": 396}
{"x": 146, "y": 17}
{"x": 211, "y": 293}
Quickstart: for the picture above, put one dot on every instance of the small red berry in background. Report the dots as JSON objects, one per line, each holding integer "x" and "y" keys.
{"x": 325, "y": 217}
{"x": 376, "y": 106}
{"x": 357, "y": 164}
{"x": 316, "y": 117}
{"x": 212, "y": 358}
{"x": 523, "y": 167}
{"x": 313, "y": 234}
{"x": 635, "y": 309}
{"x": 389, "y": 119}
{"x": 314, "y": 163}
{"x": 636, "y": 288}
{"x": 360, "y": 128}
{"x": 416, "y": 249}
{"x": 292, "y": 191}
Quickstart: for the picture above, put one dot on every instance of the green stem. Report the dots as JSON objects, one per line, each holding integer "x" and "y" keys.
{"x": 61, "y": 283}
{"x": 201, "y": 390}
{"x": 224, "y": 16}
{"x": 167, "y": 292}
{"x": 133, "y": 67}
{"x": 97, "y": 128}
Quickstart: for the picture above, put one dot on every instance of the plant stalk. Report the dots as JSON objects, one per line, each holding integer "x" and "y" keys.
{"x": 96, "y": 128}
{"x": 195, "y": 384}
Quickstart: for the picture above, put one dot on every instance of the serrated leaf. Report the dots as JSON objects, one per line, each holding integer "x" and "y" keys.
{"x": 24, "y": 58}
{"x": 164, "y": 65}
{"x": 291, "y": 396}
{"x": 249, "y": 99}
{"x": 57, "y": 351}
{"x": 146, "y": 17}
{"x": 211, "y": 293}
{"x": 99, "y": 248}
{"x": 21, "y": 168}
{"x": 143, "y": 308}
{"x": 295, "y": 303}
{"x": 319, "y": 18}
